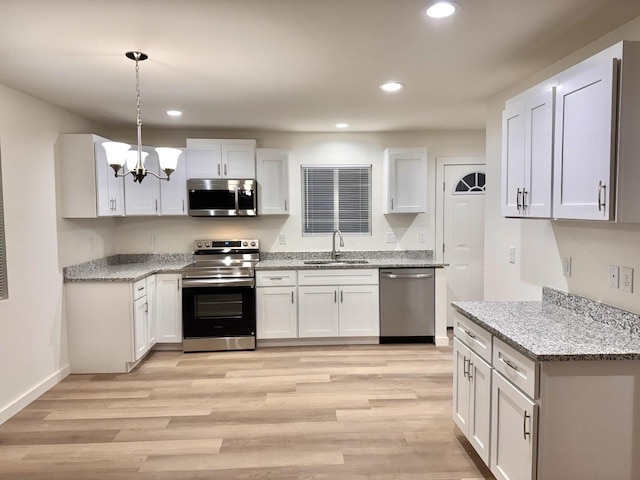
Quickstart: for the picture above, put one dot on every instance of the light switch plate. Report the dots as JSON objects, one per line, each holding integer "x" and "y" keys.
{"x": 422, "y": 237}
{"x": 154, "y": 239}
{"x": 512, "y": 254}
{"x": 566, "y": 266}
{"x": 614, "y": 276}
{"x": 283, "y": 239}
{"x": 626, "y": 279}
{"x": 391, "y": 237}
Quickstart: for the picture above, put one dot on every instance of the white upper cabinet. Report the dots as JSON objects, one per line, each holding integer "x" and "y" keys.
{"x": 213, "y": 158}
{"x": 405, "y": 180}
{"x": 272, "y": 173}
{"x": 527, "y": 154}
{"x": 143, "y": 198}
{"x": 89, "y": 187}
{"x": 173, "y": 193}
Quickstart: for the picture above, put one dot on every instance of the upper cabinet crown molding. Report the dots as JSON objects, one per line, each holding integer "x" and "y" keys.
{"x": 221, "y": 158}
{"x": 404, "y": 180}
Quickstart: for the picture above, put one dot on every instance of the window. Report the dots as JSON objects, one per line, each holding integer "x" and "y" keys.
{"x": 471, "y": 183}
{"x": 4, "y": 290}
{"x": 336, "y": 197}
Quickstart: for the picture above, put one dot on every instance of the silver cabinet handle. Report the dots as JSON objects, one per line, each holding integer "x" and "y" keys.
{"x": 470, "y": 334}
{"x": 524, "y": 199}
{"x": 156, "y": 204}
{"x": 415, "y": 275}
{"x": 335, "y": 296}
{"x": 392, "y": 204}
{"x": 292, "y": 296}
{"x": 178, "y": 285}
{"x": 225, "y": 170}
{"x": 524, "y": 425}
{"x": 601, "y": 202}
{"x": 518, "y": 199}
{"x": 218, "y": 169}
{"x": 469, "y": 373}
{"x": 507, "y": 362}
{"x": 465, "y": 372}
{"x": 341, "y": 296}
{"x": 140, "y": 288}
{"x": 183, "y": 205}
{"x": 285, "y": 204}
{"x": 146, "y": 308}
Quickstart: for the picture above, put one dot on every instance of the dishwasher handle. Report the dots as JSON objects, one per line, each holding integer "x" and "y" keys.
{"x": 410, "y": 275}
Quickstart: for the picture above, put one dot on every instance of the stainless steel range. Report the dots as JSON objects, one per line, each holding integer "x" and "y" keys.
{"x": 218, "y": 296}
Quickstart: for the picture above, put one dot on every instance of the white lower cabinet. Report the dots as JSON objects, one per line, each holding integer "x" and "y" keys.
{"x": 472, "y": 397}
{"x": 151, "y": 311}
{"x": 168, "y": 308}
{"x": 276, "y": 305}
{"x": 338, "y": 303}
{"x": 140, "y": 327}
{"x": 513, "y": 431}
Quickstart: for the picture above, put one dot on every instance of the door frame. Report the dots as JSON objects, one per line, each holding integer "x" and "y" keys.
{"x": 441, "y": 162}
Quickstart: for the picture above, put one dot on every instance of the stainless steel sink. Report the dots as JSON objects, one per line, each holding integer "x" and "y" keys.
{"x": 335, "y": 262}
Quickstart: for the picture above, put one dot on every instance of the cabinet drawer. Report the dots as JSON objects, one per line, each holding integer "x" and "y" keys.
{"x": 276, "y": 278}
{"x": 473, "y": 335}
{"x": 515, "y": 367}
{"x": 358, "y": 276}
{"x": 139, "y": 289}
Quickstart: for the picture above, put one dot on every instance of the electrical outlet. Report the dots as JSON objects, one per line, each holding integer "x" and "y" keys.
{"x": 154, "y": 239}
{"x": 512, "y": 254}
{"x": 391, "y": 237}
{"x": 566, "y": 266}
{"x": 626, "y": 279}
{"x": 614, "y": 276}
{"x": 283, "y": 239}
{"x": 422, "y": 237}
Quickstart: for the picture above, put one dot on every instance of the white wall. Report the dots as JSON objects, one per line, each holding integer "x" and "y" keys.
{"x": 540, "y": 243}
{"x": 177, "y": 234}
{"x": 33, "y": 349}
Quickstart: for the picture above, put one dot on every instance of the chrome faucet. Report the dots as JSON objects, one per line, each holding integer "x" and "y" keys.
{"x": 334, "y": 253}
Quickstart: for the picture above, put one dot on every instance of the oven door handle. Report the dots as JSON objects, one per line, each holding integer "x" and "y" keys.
{"x": 217, "y": 282}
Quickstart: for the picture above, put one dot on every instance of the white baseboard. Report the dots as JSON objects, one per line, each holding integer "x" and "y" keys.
{"x": 442, "y": 341}
{"x": 21, "y": 402}
{"x": 317, "y": 341}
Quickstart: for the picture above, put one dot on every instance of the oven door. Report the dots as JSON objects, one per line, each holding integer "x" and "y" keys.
{"x": 218, "y": 309}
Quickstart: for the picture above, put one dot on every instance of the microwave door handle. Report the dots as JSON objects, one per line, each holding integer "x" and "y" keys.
{"x": 237, "y": 202}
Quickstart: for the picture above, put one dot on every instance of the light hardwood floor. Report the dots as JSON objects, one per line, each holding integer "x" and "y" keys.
{"x": 378, "y": 412}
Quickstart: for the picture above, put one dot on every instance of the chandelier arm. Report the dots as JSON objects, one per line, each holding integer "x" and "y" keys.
{"x": 158, "y": 176}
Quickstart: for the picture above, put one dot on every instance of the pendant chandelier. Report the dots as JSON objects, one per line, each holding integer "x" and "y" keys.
{"x": 118, "y": 153}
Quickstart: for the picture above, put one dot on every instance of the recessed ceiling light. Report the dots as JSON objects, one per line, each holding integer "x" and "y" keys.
{"x": 392, "y": 86}
{"x": 442, "y": 9}
{"x": 174, "y": 113}
{"x": 342, "y": 125}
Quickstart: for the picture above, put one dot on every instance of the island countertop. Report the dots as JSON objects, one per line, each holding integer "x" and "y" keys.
{"x": 545, "y": 331}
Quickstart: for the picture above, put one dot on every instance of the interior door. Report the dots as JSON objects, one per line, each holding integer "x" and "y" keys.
{"x": 463, "y": 233}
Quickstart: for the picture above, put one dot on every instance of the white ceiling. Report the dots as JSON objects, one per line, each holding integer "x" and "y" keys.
{"x": 294, "y": 65}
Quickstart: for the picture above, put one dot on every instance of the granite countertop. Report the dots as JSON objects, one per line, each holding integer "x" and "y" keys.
{"x": 548, "y": 331}
{"x": 126, "y": 268}
{"x": 375, "y": 259}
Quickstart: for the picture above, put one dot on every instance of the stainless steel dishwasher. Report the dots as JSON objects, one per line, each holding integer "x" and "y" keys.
{"x": 407, "y": 305}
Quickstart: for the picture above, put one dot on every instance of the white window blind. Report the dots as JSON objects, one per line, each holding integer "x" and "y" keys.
{"x": 336, "y": 197}
{"x": 4, "y": 290}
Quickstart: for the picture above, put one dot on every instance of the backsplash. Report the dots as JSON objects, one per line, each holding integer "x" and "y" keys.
{"x": 593, "y": 309}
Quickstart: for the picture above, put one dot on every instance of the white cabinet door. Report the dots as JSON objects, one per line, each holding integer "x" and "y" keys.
{"x": 204, "y": 160}
{"x": 318, "y": 311}
{"x": 584, "y": 143}
{"x": 405, "y": 180}
{"x": 273, "y": 181}
{"x": 168, "y": 308}
{"x": 479, "y": 424}
{"x": 143, "y": 198}
{"x": 513, "y": 159}
{"x": 173, "y": 193}
{"x": 140, "y": 331}
{"x": 238, "y": 160}
{"x": 359, "y": 310}
{"x": 109, "y": 188}
{"x": 461, "y": 358}
{"x": 538, "y": 145}
{"x": 276, "y": 311}
{"x": 513, "y": 431}
{"x": 151, "y": 311}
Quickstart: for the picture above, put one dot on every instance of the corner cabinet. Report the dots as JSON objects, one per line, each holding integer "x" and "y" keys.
{"x": 527, "y": 154}
{"x": 214, "y": 158}
{"x": 404, "y": 180}
{"x": 272, "y": 174}
{"x": 89, "y": 187}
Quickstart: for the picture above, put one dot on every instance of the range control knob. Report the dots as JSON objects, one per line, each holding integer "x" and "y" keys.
{"x": 253, "y": 244}
{"x": 208, "y": 244}
{"x": 199, "y": 244}
{"x": 245, "y": 243}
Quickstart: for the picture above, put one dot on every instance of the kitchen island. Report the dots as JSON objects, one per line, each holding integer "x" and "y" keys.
{"x": 549, "y": 390}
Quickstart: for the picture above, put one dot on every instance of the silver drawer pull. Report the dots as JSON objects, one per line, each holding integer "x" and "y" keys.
{"x": 465, "y": 372}
{"x": 140, "y": 288}
{"x": 275, "y": 278}
{"x": 507, "y": 362}
{"x": 415, "y": 275}
{"x": 470, "y": 334}
{"x": 524, "y": 425}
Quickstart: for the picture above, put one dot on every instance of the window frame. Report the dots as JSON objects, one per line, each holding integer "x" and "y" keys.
{"x": 336, "y": 198}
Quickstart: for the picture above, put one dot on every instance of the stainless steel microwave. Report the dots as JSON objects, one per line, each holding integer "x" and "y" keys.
{"x": 218, "y": 197}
